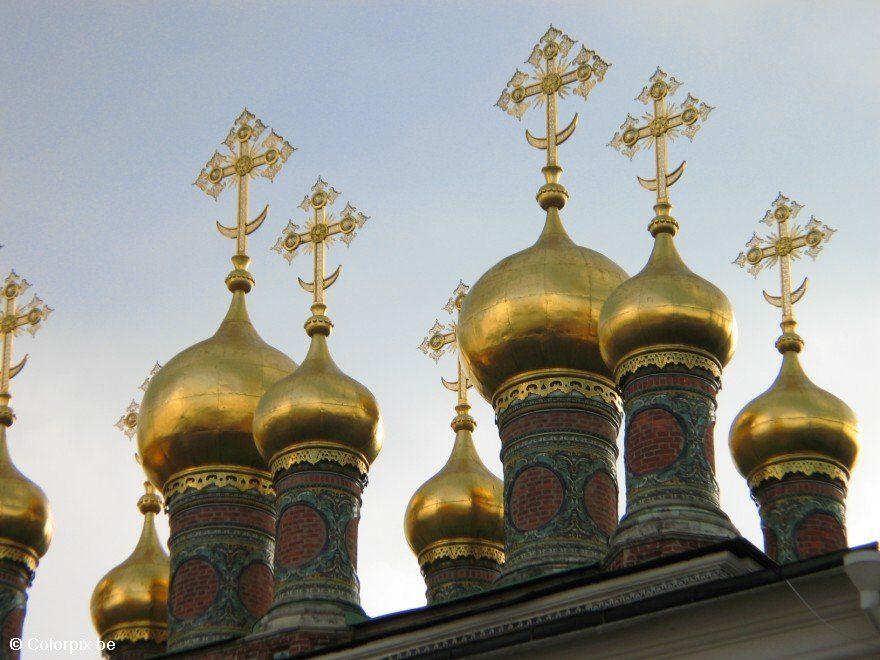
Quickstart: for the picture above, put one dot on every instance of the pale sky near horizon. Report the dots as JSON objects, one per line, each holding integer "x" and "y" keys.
{"x": 108, "y": 112}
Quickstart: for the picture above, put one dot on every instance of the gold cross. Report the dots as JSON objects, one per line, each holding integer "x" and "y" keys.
{"x": 15, "y": 319}
{"x": 320, "y": 231}
{"x": 786, "y": 244}
{"x": 245, "y": 160}
{"x": 553, "y": 78}
{"x": 441, "y": 339}
{"x": 665, "y": 122}
{"x": 128, "y": 422}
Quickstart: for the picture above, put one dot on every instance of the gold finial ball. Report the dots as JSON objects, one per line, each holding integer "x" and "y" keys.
{"x": 537, "y": 310}
{"x": 198, "y": 410}
{"x": 667, "y": 307}
{"x": 794, "y": 420}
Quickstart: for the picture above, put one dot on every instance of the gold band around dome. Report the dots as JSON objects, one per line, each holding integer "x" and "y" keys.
{"x": 19, "y": 554}
{"x": 136, "y": 634}
{"x": 806, "y": 467}
{"x": 458, "y": 550}
{"x": 567, "y": 382}
{"x": 662, "y": 359}
{"x": 242, "y": 479}
{"x": 314, "y": 455}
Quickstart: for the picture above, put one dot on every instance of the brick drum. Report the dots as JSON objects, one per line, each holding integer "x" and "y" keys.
{"x": 448, "y": 579}
{"x": 255, "y": 585}
{"x": 818, "y": 534}
{"x": 654, "y": 440}
{"x": 302, "y": 535}
{"x": 535, "y": 498}
{"x": 194, "y": 588}
{"x": 600, "y": 498}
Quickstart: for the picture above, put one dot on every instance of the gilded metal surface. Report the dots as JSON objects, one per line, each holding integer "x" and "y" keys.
{"x": 805, "y": 466}
{"x": 130, "y": 603}
{"x": 537, "y": 310}
{"x": 18, "y": 554}
{"x": 218, "y": 476}
{"x": 318, "y": 404}
{"x": 666, "y": 305}
{"x": 461, "y": 508}
{"x": 556, "y": 381}
{"x": 244, "y": 161}
{"x": 198, "y": 409}
{"x": 661, "y": 359}
{"x": 315, "y": 455}
{"x": 794, "y": 419}
{"x": 458, "y": 548}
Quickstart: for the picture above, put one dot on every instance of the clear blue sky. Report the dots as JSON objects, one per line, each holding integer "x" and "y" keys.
{"x": 108, "y": 111}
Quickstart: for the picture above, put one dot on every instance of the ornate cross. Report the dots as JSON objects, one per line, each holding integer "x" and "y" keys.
{"x": 786, "y": 244}
{"x": 128, "y": 422}
{"x": 321, "y": 230}
{"x": 553, "y": 78}
{"x": 244, "y": 160}
{"x": 29, "y": 317}
{"x": 441, "y": 339}
{"x": 665, "y": 122}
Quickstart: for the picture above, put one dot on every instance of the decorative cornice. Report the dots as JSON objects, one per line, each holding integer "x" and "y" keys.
{"x": 158, "y": 634}
{"x": 547, "y": 382}
{"x": 460, "y": 548}
{"x": 806, "y": 467}
{"x": 664, "y": 358}
{"x": 19, "y": 554}
{"x": 242, "y": 479}
{"x": 316, "y": 454}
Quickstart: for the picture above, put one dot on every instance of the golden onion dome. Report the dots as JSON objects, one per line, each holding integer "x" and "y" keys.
{"x": 460, "y": 505}
{"x": 130, "y": 603}
{"x": 26, "y": 522}
{"x": 666, "y": 307}
{"x": 198, "y": 409}
{"x": 537, "y": 310}
{"x": 318, "y": 407}
{"x": 794, "y": 421}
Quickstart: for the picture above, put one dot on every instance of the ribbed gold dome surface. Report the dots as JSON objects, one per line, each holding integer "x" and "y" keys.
{"x": 26, "y": 521}
{"x": 131, "y": 601}
{"x": 666, "y": 306}
{"x": 462, "y": 503}
{"x": 198, "y": 410}
{"x": 318, "y": 406}
{"x": 794, "y": 420}
{"x": 537, "y": 310}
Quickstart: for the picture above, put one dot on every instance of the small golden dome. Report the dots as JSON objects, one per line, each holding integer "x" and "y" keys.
{"x": 537, "y": 310}
{"x": 461, "y": 504}
{"x": 666, "y": 306}
{"x": 794, "y": 420}
{"x": 26, "y": 522}
{"x": 198, "y": 410}
{"x": 130, "y": 603}
{"x": 318, "y": 406}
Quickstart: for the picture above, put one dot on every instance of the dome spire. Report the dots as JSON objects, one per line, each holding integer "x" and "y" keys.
{"x": 245, "y": 160}
{"x": 554, "y": 77}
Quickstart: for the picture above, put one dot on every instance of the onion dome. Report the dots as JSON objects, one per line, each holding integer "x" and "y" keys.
{"x": 795, "y": 426}
{"x": 537, "y": 310}
{"x": 26, "y": 522}
{"x": 198, "y": 409}
{"x": 318, "y": 412}
{"x": 130, "y": 603}
{"x": 667, "y": 308}
{"x": 460, "y": 509}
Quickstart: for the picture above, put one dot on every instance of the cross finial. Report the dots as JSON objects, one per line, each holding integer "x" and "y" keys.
{"x": 246, "y": 159}
{"x": 441, "y": 339}
{"x": 128, "y": 422}
{"x": 666, "y": 122}
{"x": 787, "y": 243}
{"x": 28, "y": 317}
{"x": 321, "y": 230}
{"x": 554, "y": 77}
